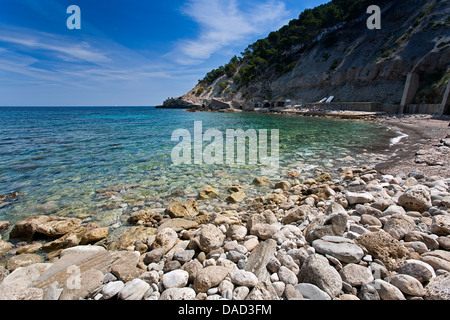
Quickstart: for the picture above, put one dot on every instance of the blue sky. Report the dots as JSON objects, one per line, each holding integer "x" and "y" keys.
{"x": 128, "y": 52}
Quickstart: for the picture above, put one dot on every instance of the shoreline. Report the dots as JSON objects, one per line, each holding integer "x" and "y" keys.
{"x": 314, "y": 238}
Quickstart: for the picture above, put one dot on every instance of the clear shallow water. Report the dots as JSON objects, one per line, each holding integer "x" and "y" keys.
{"x": 60, "y": 157}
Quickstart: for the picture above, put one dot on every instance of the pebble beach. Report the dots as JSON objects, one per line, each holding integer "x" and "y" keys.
{"x": 363, "y": 233}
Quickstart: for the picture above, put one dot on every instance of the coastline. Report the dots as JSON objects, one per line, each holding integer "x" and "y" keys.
{"x": 318, "y": 238}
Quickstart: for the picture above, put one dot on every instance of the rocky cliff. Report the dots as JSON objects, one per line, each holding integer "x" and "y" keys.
{"x": 347, "y": 60}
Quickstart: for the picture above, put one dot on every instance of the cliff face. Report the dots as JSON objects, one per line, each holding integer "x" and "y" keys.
{"x": 353, "y": 63}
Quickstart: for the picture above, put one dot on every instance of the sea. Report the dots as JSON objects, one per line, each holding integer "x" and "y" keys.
{"x": 57, "y": 160}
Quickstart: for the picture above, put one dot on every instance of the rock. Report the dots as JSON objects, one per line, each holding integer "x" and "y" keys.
{"x": 236, "y": 197}
{"x": 175, "y": 279}
{"x": 399, "y": 225}
{"x": 316, "y": 270}
{"x": 394, "y": 210}
{"x": 126, "y": 272}
{"x": 334, "y": 225}
{"x": 244, "y": 278}
{"x": 237, "y": 232}
{"x": 134, "y": 290}
{"x": 154, "y": 256}
{"x": 112, "y": 289}
{"x": 88, "y": 282}
{"x": 261, "y": 181}
{"x": 438, "y": 288}
{"x": 289, "y": 291}
{"x": 259, "y": 258}
{"x": 134, "y": 234}
{"x": 193, "y": 268}
{"x": 441, "y": 225}
{"x": 23, "y": 260}
{"x": 359, "y": 198}
{"x": 312, "y": 292}
{"x": 276, "y": 198}
{"x": 240, "y": 293}
{"x": 356, "y": 275}
{"x": 184, "y": 256}
{"x": 335, "y": 208}
{"x": 264, "y": 291}
{"x": 83, "y": 250}
{"x": 178, "y": 294}
{"x": 287, "y": 276}
{"x": 408, "y": 285}
{"x": 283, "y": 185}
{"x": 208, "y": 192}
{"x": 343, "y": 249}
{"x": 178, "y": 225}
{"x": 444, "y": 243}
{"x": 264, "y": 231}
{"x": 370, "y": 220}
{"x": 94, "y": 235}
{"x": 143, "y": 216}
{"x": 209, "y": 277}
{"x": 166, "y": 239}
{"x": 186, "y": 210}
{"x": 368, "y": 292}
{"x": 67, "y": 241}
{"x": 436, "y": 263}
{"x": 387, "y": 291}
{"x": 210, "y": 238}
{"x": 416, "y": 198}
{"x": 296, "y": 214}
{"x": 384, "y": 247}
{"x": 5, "y": 247}
{"x": 429, "y": 241}
{"x": 17, "y": 284}
{"x": 49, "y": 226}
{"x": 420, "y": 270}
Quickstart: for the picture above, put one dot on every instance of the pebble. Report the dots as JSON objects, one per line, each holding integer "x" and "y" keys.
{"x": 308, "y": 239}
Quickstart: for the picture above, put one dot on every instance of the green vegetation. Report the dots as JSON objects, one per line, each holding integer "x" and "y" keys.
{"x": 200, "y": 91}
{"x": 334, "y": 65}
{"x": 298, "y": 35}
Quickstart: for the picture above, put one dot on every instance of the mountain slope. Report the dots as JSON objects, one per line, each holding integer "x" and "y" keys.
{"x": 329, "y": 51}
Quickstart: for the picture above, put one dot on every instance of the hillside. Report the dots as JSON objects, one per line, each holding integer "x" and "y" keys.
{"x": 329, "y": 51}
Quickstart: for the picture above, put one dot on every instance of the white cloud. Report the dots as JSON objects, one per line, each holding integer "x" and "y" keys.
{"x": 223, "y": 23}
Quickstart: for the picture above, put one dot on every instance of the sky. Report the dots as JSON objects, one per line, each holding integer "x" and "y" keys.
{"x": 127, "y": 52}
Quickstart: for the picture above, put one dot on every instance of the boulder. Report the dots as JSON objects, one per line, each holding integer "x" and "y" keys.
{"x": 236, "y": 197}
{"x": 343, "y": 249}
{"x": 178, "y": 294}
{"x": 408, "y": 285}
{"x": 244, "y": 278}
{"x": 384, "y": 247}
{"x": 187, "y": 210}
{"x": 438, "y": 288}
{"x": 334, "y": 225}
{"x": 208, "y": 192}
{"x": 312, "y": 292}
{"x": 420, "y": 270}
{"x": 175, "y": 279}
{"x": 359, "y": 198}
{"x": 209, "y": 277}
{"x": 356, "y": 275}
{"x": 441, "y": 225}
{"x": 416, "y": 198}
{"x": 48, "y": 226}
{"x": 399, "y": 225}
{"x": 261, "y": 181}
{"x": 209, "y": 238}
{"x": 166, "y": 239}
{"x": 316, "y": 270}
{"x": 387, "y": 291}
{"x": 87, "y": 283}
{"x": 134, "y": 290}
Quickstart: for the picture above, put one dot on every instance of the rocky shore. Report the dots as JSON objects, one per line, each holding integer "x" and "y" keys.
{"x": 360, "y": 235}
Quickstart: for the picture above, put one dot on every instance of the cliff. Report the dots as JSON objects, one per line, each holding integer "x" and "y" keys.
{"x": 345, "y": 60}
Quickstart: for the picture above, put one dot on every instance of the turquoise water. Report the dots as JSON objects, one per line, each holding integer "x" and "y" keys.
{"x": 58, "y": 158}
